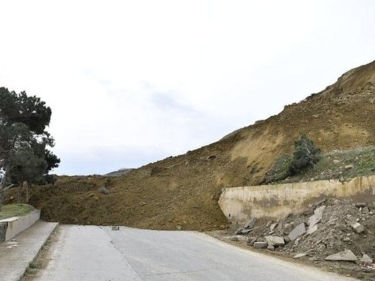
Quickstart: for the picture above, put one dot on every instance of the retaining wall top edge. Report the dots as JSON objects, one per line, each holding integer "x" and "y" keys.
{"x": 10, "y": 219}
{"x": 296, "y": 183}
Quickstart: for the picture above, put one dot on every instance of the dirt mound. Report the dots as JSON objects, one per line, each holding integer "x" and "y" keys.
{"x": 182, "y": 192}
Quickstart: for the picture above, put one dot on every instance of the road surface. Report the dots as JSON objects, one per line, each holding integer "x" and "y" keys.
{"x": 101, "y": 254}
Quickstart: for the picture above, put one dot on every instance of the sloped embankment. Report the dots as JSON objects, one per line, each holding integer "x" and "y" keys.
{"x": 182, "y": 191}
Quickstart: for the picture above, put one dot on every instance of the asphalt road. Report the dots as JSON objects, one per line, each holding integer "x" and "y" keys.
{"x": 101, "y": 254}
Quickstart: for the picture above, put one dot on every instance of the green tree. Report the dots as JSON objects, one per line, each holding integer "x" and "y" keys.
{"x": 305, "y": 155}
{"x": 24, "y": 142}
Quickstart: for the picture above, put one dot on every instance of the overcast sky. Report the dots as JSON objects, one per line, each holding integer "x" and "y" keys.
{"x": 132, "y": 82}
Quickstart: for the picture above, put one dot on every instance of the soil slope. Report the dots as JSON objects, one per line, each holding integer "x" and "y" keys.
{"x": 182, "y": 192}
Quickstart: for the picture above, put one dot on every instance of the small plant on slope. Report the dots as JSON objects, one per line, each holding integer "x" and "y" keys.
{"x": 305, "y": 155}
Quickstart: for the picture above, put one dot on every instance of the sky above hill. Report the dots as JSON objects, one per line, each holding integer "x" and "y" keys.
{"x": 132, "y": 82}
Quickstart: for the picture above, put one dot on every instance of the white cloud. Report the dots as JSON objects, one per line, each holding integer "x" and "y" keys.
{"x": 130, "y": 82}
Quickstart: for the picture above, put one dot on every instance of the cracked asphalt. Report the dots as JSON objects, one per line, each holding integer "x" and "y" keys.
{"x": 100, "y": 253}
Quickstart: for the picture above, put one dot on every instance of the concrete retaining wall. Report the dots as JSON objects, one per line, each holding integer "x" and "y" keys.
{"x": 275, "y": 201}
{"x": 12, "y": 226}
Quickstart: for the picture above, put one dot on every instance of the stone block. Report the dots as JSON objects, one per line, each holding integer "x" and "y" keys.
{"x": 346, "y": 255}
{"x": 357, "y": 227}
{"x": 298, "y": 231}
{"x": 250, "y": 223}
{"x": 260, "y": 245}
{"x": 275, "y": 240}
{"x": 366, "y": 259}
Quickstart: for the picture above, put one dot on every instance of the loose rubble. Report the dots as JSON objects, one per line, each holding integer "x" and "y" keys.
{"x": 330, "y": 230}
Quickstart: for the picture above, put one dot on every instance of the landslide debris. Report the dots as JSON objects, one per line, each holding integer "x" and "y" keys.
{"x": 333, "y": 230}
{"x": 182, "y": 192}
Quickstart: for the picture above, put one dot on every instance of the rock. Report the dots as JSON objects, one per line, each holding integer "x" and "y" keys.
{"x": 365, "y": 210}
{"x": 273, "y": 226}
{"x": 178, "y": 227}
{"x": 346, "y": 239}
{"x": 357, "y": 227}
{"x": 271, "y": 247}
{"x": 316, "y": 218}
{"x": 298, "y": 231}
{"x": 346, "y": 255}
{"x": 260, "y": 245}
{"x": 238, "y": 231}
{"x": 348, "y": 167}
{"x": 286, "y": 239}
{"x": 103, "y": 190}
{"x": 246, "y": 231}
{"x": 261, "y": 239}
{"x": 275, "y": 240}
{"x": 299, "y": 255}
{"x": 250, "y": 223}
{"x": 234, "y": 238}
{"x": 360, "y": 205}
{"x": 366, "y": 259}
{"x": 251, "y": 241}
{"x": 335, "y": 161}
{"x": 312, "y": 229}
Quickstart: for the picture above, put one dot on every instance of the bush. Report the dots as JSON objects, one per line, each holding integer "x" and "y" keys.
{"x": 305, "y": 155}
{"x": 280, "y": 170}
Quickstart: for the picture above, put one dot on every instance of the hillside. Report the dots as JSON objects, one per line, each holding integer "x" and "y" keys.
{"x": 182, "y": 192}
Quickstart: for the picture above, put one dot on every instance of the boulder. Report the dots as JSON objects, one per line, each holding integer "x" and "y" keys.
{"x": 234, "y": 238}
{"x": 238, "y": 231}
{"x": 318, "y": 214}
{"x": 273, "y": 226}
{"x": 360, "y": 205}
{"x": 298, "y": 231}
{"x": 366, "y": 259}
{"x": 346, "y": 255}
{"x": 246, "y": 231}
{"x": 357, "y": 227}
{"x": 312, "y": 229}
{"x": 260, "y": 245}
{"x": 251, "y": 241}
{"x": 103, "y": 190}
{"x": 275, "y": 240}
{"x": 250, "y": 223}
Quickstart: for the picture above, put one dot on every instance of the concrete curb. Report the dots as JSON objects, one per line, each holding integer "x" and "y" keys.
{"x": 15, "y": 225}
{"x": 41, "y": 243}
